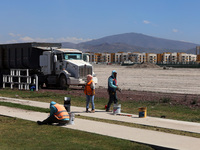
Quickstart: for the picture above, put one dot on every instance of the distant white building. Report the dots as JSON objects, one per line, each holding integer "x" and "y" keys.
{"x": 106, "y": 57}
{"x": 192, "y": 57}
{"x": 166, "y": 58}
{"x": 173, "y": 58}
{"x": 125, "y": 56}
{"x": 137, "y": 57}
{"x": 118, "y": 58}
{"x": 186, "y": 58}
{"x": 151, "y": 58}
{"x": 92, "y": 57}
{"x": 183, "y": 58}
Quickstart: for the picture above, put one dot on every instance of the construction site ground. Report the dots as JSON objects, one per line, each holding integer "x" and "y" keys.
{"x": 153, "y": 78}
{"x": 149, "y": 82}
{"x": 143, "y": 83}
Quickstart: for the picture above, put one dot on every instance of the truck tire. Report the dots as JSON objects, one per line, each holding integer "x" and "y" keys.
{"x": 63, "y": 82}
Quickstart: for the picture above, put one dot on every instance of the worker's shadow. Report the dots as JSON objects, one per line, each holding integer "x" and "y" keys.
{"x": 96, "y": 111}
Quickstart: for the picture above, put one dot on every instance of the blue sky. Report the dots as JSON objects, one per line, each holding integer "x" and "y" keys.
{"x": 81, "y": 20}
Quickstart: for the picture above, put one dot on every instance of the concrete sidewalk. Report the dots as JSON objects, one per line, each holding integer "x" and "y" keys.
{"x": 128, "y": 133}
{"x": 148, "y": 121}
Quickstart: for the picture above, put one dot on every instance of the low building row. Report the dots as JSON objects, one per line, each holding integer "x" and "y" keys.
{"x": 136, "y": 57}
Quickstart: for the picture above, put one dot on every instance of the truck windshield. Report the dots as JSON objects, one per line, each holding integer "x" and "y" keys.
{"x": 77, "y": 56}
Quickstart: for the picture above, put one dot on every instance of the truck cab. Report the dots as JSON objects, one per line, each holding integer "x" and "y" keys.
{"x": 65, "y": 67}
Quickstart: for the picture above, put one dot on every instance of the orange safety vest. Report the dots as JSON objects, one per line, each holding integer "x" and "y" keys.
{"x": 61, "y": 113}
{"x": 88, "y": 90}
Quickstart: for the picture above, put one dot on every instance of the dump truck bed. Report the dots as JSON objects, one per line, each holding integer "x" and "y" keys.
{"x": 23, "y": 55}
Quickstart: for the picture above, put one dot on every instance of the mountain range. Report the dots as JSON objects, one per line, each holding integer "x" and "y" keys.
{"x": 133, "y": 42}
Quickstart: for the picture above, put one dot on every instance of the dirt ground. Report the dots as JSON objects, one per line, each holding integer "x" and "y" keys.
{"x": 149, "y": 83}
{"x": 171, "y": 80}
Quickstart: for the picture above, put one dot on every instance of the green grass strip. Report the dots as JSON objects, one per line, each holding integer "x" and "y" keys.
{"x": 18, "y": 134}
{"x": 172, "y": 131}
{"x": 26, "y": 107}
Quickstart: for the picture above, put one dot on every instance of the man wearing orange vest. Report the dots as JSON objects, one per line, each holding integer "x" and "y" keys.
{"x": 89, "y": 92}
{"x": 58, "y": 114}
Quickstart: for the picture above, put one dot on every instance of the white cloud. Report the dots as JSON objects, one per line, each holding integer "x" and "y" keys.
{"x": 17, "y": 38}
{"x": 14, "y": 35}
{"x": 186, "y": 41}
{"x": 175, "y": 30}
{"x": 26, "y": 39}
{"x": 72, "y": 39}
{"x": 150, "y": 23}
{"x": 146, "y": 22}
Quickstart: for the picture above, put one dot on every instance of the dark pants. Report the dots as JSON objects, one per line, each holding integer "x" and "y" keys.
{"x": 112, "y": 97}
{"x": 52, "y": 119}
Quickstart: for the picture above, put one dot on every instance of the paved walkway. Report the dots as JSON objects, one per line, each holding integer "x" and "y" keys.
{"x": 134, "y": 134}
{"x": 148, "y": 121}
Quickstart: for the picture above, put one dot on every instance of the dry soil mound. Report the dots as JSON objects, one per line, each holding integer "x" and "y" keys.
{"x": 144, "y": 65}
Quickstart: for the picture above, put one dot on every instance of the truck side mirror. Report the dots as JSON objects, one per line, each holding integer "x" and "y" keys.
{"x": 55, "y": 58}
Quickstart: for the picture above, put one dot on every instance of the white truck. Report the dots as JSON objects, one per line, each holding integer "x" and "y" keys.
{"x": 54, "y": 66}
{"x": 68, "y": 67}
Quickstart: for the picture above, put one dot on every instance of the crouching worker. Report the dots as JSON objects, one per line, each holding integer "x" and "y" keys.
{"x": 58, "y": 114}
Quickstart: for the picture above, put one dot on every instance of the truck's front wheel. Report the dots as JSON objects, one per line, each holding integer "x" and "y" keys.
{"x": 63, "y": 82}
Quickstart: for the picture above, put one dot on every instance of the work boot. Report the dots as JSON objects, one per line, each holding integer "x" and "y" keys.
{"x": 39, "y": 122}
{"x": 86, "y": 110}
{"x": 93, "y": 111}
{"x": 107, "y": 110}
